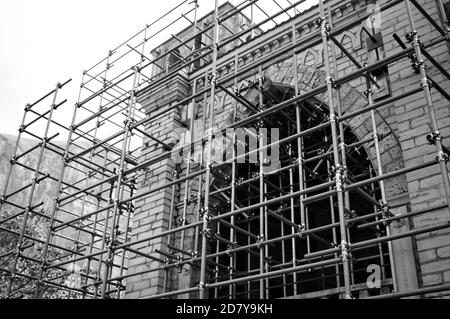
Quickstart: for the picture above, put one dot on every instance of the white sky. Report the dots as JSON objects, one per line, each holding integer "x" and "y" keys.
{"x": 48, "y": 41}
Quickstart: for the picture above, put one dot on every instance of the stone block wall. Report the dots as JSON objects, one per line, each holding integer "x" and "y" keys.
{"x": 425, "y": 186}
{"x": 152, "y": 213}
{"x": 420, "y": 262}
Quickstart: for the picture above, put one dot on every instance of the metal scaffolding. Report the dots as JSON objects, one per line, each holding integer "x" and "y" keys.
{"x": 255, "y": 233}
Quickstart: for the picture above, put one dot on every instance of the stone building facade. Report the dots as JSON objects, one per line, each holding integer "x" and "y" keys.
{"x": 420, "y": 261}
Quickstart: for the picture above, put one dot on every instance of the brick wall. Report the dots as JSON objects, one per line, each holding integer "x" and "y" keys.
{"x": 404, "y": 124}
{"x": 424, "y": 186}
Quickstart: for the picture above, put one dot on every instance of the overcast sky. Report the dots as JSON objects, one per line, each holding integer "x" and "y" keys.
{"x": 48, "y": 41}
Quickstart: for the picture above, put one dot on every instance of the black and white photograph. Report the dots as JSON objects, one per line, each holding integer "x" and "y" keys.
{"x": 230, "y": 157}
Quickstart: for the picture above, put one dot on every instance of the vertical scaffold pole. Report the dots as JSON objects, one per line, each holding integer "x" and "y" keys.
{"x": 120, "y": 180}
{"x": 336, "y": 156}
{"x": 301, "y": 176}
{"x": 384, "y": 203}
{"x": 104, "y": 233}
{"x": 130, "y": 211}
{"x": 293, "y": 230}
{"x": 266, "y": 247}
{"x": 233, "y": 183}
{"x": 262, "y": 209}
{"x": 216, "y": 267}
{"x": 195, "y": 2}
{"x": 292, "y": 208}
{"x": 188, "y": 165}
{"x": 29, "y": 202}
{"x": 88, "y": 173}
{"x": 200, "y": 178}
{"x": 380, "y": 245}
{"x": 341, "y": 130}
{"x": 96, "y": 223}
{"x": 56, "y": 200}
{"x": 171, "y": 222}
{"x": 333, "y": 220}
{"x": 205, "y": 224}
{"x": 425, "y": 83}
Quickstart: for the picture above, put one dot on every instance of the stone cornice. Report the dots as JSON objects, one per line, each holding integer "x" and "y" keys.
{"x": 169, "y": 91}
{"x": 282, "y": 34}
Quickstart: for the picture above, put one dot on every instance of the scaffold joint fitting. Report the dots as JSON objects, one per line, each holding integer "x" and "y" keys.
{"x": 206, "y": 233}
{"x": 433, "y": 137}
{"x": 367, "y": 93}
{"x": 345, "y": 251}
{"x": 425, "y": 82}
{"x": 442, "y": 157}
{"x": 301, "y": 229}
{"x": 259, "y": 240}
{"x": 318, "y": 22}
{"x": 410, "y": 36}
{"x": 202, "y": 286}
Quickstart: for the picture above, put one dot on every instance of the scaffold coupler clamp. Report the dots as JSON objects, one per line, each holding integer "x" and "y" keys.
{"x": 181, "y": 221}
{"x": 205, "y": 215}
{"x": 230, "y": 247}
{"x": 414, "y": 39}
{"x": 207, "y": 232}
{"x": 385, "y": 212}
{"x": 66, "y": 158}
{"x": 212, "y": 79}
{"x": 202, "y": 286}
{"x": 22, "y": 128}
{"x": 13, "y": 160}
{"x": 346, "y": 254}
{"x": 425, "y": 82}
{"x": 339, "y": 178}
{"x": 348, "y": 217}
{"x": 295, "y": 161}
{"x": 301, "y": 229}
{"x": 326, "y": 28}
{"x": 198, "y": 199}
{"x": 330, "y": 80}
{"x": 166, "y": 262}
{"x": 261, "y": 81}
{"x": 442, "y": 157}
{"x": 369, "y": 92}
{"x": 433, "y": 137}
{"x": 136, "y": 69}
{"x": 179, "y": 265}
{"x": 318, "y": 22}
{"x": 259, "y": 240}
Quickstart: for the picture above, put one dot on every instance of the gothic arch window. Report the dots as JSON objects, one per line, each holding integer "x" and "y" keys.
{"x": 325, "y": 281}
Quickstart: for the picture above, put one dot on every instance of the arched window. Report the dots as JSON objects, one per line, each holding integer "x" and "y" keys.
{"x": 323, "y": 282}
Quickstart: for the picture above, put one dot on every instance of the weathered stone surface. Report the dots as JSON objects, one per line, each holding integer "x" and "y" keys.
{"x": 403, "y": 125}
